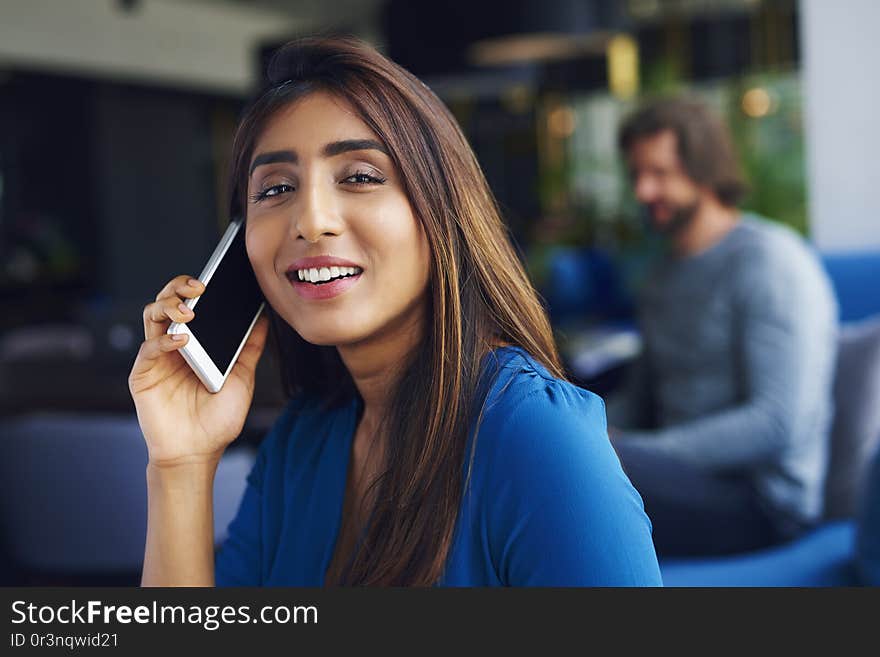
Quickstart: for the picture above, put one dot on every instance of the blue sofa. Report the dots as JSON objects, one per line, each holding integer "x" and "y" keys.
{"x": 843, "y": 552}
{"x": 73, "y": 499}
{"x": 856, "y": 281}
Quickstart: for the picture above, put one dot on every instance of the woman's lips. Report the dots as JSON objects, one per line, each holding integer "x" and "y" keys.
{"x": 326, "y": 290}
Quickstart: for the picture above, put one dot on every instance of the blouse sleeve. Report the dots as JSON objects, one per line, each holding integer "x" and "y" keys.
{"x": 237, "y": 563}
{"x": 564, "y": 512}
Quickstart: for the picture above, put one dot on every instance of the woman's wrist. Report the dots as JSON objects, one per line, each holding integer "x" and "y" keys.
{"x": 186, "y": 469}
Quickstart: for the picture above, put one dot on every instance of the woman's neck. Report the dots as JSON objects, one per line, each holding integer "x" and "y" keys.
{"x": 376, "y": 364}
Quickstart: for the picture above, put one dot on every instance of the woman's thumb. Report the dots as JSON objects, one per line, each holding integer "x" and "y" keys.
{"x": 253, "y": 348}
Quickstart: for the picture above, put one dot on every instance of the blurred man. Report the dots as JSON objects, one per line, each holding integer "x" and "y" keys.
{"x": 724, "y": 427}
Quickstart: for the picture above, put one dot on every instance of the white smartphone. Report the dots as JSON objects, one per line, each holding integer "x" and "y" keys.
{"x": 225, "y": 313}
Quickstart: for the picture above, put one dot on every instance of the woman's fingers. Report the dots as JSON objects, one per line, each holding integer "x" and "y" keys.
{"x": 159, "y": 315}
{"x": 148, "y": 355}
{"x": 169, "y": 307}
{"x": 179, "y": 286}
{"x": 253, "y": 348}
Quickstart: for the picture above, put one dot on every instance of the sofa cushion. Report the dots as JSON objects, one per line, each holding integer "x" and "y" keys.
{"x": 822, "y": 557}
{"x": 856, "y": 427}
{"x": 851, "y": 274}
{"x": 868, "y": 534}
{"x": 73, "y": 497}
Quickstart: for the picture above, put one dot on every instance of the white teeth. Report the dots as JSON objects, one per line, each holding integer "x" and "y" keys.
{"x": 322, "y": 274}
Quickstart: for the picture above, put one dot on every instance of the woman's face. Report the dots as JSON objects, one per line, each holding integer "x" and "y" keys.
{"x": 330, "y": 232}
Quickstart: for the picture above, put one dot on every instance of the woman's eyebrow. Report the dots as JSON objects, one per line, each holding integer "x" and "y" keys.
{"x": 346, "y": 145}
{"x": 330, "y": 150}
{"x": 272, "y": 157}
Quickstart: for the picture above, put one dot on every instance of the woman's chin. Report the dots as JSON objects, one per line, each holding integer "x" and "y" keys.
{"x": 329, "y": 338}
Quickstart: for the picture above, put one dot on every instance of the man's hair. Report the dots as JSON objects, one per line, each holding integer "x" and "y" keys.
{"x": 704, "y": 143}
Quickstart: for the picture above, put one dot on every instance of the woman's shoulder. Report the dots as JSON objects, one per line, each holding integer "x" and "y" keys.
{"x": 543, "y": 466}
{"x": 521, "y": 381}
{"x": 529, "y": 413}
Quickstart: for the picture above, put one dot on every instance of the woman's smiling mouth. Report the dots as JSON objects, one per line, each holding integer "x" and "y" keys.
{"x": 322, "y": 277}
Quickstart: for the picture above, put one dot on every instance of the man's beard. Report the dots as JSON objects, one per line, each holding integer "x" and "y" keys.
{"x": 681, "y": 218}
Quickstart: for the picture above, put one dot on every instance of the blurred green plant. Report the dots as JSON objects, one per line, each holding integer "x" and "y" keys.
{"x": 768, "y": 136}
{"x": 771, "y": 146}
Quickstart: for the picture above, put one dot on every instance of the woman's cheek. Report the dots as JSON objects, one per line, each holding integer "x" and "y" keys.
{"x": 261, "y": 253}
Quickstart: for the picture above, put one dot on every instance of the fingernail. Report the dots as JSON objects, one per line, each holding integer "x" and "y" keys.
{"x": 193, "y": 282}
{"x": 178, "y": 337}
{"x": 183, "y": 308}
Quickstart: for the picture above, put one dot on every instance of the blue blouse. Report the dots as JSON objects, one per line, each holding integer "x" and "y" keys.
{"x": 548, "y": 502}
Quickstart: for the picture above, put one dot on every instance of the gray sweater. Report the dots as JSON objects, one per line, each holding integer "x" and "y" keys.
{"x": 736, "y": 371}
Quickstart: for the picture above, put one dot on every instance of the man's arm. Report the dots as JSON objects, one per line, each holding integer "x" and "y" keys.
{"x": 785, "y": 332}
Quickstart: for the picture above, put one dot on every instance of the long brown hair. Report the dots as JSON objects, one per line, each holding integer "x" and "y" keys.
{"x": 479, "y": 294}
{"x": 704, "y": 144}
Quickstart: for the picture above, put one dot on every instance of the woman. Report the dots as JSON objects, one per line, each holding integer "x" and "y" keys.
{"x": 430, "y": 437}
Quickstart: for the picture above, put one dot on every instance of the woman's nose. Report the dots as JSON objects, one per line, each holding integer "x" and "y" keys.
{"x": 316, "y": 215}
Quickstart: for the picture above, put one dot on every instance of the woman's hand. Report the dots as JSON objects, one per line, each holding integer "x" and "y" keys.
{"x": 181, "y": 420}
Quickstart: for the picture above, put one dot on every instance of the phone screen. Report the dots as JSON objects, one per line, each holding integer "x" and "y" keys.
{"x": 227, "y": 307}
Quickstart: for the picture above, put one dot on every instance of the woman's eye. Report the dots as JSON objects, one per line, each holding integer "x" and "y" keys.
{"x": 269, "y": 192}
{"x": 361, "y": 178}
